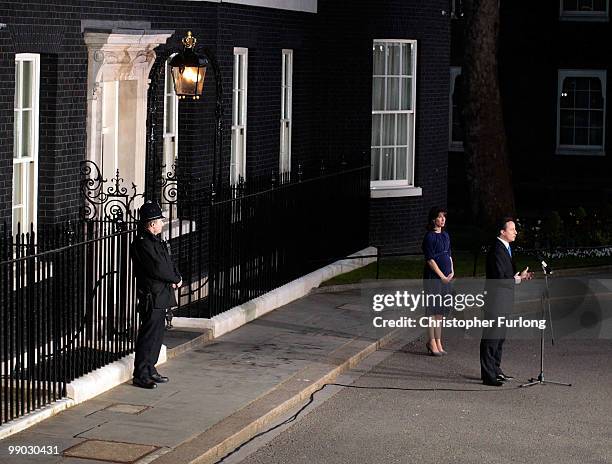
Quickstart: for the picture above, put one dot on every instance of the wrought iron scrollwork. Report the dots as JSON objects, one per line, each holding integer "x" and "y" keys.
{"x": 106, "y": 200}
{"x": 111, "y": 200}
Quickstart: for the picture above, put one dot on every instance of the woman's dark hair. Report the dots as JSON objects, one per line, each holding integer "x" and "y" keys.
{"x": 433, "y": 215}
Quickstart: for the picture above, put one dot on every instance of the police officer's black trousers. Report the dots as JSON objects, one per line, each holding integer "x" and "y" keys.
{"x": 491, "y": 352}
{"x": 149, "y": 342}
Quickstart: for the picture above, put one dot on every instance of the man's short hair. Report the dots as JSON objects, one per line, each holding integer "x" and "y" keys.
{"x": 501, "y": 224}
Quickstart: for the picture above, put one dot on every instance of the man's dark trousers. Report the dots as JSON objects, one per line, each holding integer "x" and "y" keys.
{"x": 149, "y": 342}
{"x": 491, "y": 346}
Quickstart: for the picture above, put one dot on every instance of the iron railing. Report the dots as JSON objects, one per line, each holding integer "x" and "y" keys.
{"x": 67, "y": 291}
{"x": 262, "y": 240}
{"x": 65, "y": 311}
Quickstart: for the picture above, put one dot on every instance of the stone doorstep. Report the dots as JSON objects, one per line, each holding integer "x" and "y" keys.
{"x": 219, "y": 440}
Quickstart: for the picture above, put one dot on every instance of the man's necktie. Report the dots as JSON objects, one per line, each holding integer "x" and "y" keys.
{"x": 510, "y": 251}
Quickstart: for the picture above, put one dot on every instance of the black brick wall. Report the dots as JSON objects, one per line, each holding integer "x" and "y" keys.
{"x": 396, "y": 224}
{"x": 331, "y": 94}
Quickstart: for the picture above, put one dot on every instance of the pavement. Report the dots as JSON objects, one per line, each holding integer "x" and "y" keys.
{"x": 221, "y": 391}
{"x": 224, "y": 391}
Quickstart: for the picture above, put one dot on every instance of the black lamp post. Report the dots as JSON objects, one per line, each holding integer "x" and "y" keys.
{"x": 188, "y": 74}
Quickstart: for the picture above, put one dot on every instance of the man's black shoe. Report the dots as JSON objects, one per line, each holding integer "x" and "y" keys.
{"x": 148, "y": 383}
{"x": 493, "y": 383}
{"x": 159, "y": 378}
{"x": 505, "y": 376}
{"x": 501, "y": 378}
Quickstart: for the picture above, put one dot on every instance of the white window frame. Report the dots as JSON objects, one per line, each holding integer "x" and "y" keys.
{"x": 286, "y": 111}
{"x": 238, "y": 159}
{"x": 169, "y": 161}
{"x": 570, "y": 15}
{"x": 587, "y": 150}
{"x": 404, "y": 187}
{"x": 170, "y": 158}
{"x": 29, "y": 183}
{"x": 453, "y": 145}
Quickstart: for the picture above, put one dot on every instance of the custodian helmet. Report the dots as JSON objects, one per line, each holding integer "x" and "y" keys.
{"x": 150, "y": 211}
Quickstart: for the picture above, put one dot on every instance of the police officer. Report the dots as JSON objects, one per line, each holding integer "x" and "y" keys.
{"x": 156, "y": 279}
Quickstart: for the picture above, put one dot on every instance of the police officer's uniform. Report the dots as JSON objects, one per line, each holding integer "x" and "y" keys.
{"x": 155, "y": 274}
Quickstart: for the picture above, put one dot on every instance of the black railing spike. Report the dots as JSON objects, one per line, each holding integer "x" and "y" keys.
{"x": 273, "y": 180}
{"x": 300, "y": 172}
{"x": 213, "y": 194}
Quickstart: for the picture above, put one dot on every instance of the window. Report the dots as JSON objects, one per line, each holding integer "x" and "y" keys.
{"x": 455, "y": 103}
{"x": 584, "y": 10}
{"x": 286, "y": 108}
{"x": 170, "y": 121}
{"x": 170, "y": 143}
{"x": 239, "y": 114}
{"x": 393, "y": 113}
{"x": 25, "y": 140}
{"x": 581, "y": 112}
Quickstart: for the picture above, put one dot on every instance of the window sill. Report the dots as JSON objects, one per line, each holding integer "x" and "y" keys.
{"x": 598, "y": 18}
{"x": 580, "y": 152}
{"x": 395, "y": 191}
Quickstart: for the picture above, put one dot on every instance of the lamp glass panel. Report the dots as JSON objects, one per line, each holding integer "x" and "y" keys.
{"x": 201, "y": 76}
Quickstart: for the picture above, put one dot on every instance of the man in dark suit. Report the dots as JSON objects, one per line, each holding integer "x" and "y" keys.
{"x": 156, "y": 279}
{"x": 501, "y": 279}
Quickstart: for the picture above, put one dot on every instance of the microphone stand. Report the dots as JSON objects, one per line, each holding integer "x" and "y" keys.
{"x": 545, "y": 305}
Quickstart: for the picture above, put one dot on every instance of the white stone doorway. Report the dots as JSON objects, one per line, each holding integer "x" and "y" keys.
{"x": 119, "y": 62}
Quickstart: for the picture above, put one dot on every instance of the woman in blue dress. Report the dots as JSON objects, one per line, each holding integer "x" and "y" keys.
{"x": 437, "y": 275}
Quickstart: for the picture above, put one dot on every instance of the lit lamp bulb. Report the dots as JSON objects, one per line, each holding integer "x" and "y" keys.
{"x": 190, "y": 74}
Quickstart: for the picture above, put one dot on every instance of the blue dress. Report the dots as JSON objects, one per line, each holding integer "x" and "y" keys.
{"x": 436, "y": 246}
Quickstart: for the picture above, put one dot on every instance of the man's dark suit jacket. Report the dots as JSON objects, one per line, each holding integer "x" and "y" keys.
{"x": 500, "y": 280}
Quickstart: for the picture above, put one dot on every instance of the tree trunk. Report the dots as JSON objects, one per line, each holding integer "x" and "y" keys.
{"x": 488, "y": 168}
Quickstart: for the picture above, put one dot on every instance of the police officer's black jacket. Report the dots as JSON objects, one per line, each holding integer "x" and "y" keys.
{"x": 155, "y": 271}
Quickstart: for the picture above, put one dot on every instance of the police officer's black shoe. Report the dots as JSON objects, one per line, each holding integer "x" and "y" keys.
{"x": 159, "y": 378}
{"x": 148, "y": 383}
{"x": 493, "y": 383}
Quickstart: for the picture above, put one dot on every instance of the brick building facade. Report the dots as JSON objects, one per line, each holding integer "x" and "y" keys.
{"x": 332, "y": 92}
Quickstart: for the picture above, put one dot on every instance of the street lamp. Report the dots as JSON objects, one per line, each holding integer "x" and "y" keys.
{"x": 188, "y": 70}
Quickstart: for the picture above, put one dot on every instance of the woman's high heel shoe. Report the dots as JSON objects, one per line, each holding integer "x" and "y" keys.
{"x": 432, "y": 352}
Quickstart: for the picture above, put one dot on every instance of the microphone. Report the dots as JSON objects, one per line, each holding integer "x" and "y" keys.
{"x": 545, "y": 267}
